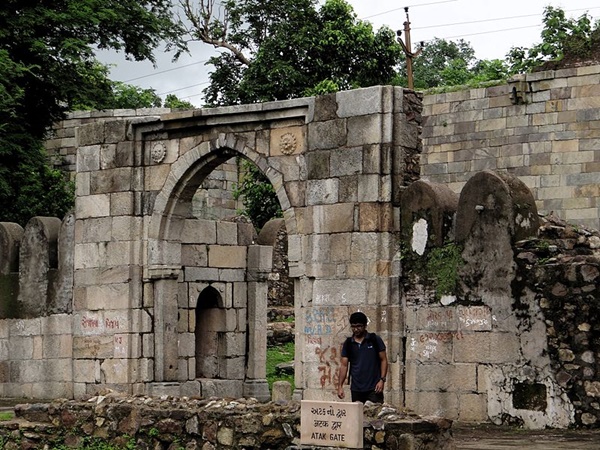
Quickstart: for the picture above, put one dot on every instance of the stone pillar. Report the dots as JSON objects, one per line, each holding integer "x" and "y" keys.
{"x": 165, "y": 330}
{"x": 61, "y": 296}
{"x": 10, "y": 240}
{"x": 259, "y": 266}
{"x": 494, "y": 211}
{"x": 38, "y": 258}
{"x": 344, "y": 255}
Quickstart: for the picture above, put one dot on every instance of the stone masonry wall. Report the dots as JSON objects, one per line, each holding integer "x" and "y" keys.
{"x": 542, "y": 127}
{"x": 209, "y": 424}
{"x": 213, "y": 200}
{"x": 514, "y": 339}
{"x": 565, "y": 263}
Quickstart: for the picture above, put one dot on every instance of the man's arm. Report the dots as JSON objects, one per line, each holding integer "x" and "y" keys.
{"x": 383, "y": 368}
{"x": 342, "y": 376}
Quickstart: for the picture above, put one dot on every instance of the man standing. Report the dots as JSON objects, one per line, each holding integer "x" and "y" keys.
{"x": 368, "y": 363}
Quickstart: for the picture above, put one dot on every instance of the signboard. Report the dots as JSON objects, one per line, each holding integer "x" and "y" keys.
{"x": 331, "y": 424}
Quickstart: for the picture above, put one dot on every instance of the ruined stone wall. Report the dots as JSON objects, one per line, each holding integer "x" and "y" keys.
{"x": 36, "y": 340}
{"x": 193, "y": 424}
{"x": 514, "y": 337}
{"x": 542, "y": 127}
{"x": 67, "y": 328}
{"x": 565, "y": 263}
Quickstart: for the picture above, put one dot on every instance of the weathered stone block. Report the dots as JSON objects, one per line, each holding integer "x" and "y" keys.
{"x": 93, "y": 230}
{"x": 326, "y": 135}
{"x": 232, "y": 368}
{"x": 57, "y": 346}
{"x": 112, "y": 296}
{"x": 227, "y": 233}
{"x": 338, "y": 218}
{"x": 92, "y": 347}
{"x": 115, "y": 371}
{"x": 92, "y": 206}
{"x": 364, "y": 101}
{"x": 227, "y": 256}
{"x": 364, "y": 130}
{"x": 370, "y": 188}
{"x": 199, "y": 231}
{"x": 86, "y": 371}
{"x": 111, "y": 180}
{"x": 320, "y": 192}
{"x": 260, "y": 258}
{"x": 194, "y": 255}
{"x": 346, "y": 161}
{"x": 88, "y": 158}
{"x": 432, "y": 346}
{"x": 440, "y": 404}
{"x": 339, "y": 292}
{"x": 186, "y": 344}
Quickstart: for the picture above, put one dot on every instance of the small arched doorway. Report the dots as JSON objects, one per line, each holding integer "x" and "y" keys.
{"x": 207, "y": 334}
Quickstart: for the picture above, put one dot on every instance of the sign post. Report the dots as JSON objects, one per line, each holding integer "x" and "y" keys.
{"x": 331, "y": 424}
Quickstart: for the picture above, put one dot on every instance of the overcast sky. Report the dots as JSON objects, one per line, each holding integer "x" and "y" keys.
{"x": 492, "y": 27}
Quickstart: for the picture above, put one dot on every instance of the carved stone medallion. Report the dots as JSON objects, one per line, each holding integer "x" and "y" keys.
{"x": 158, "y": 152}
{"x": 287, "y": 143}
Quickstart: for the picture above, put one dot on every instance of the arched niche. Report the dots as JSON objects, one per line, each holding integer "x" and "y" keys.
{"x": 207, "y": 333}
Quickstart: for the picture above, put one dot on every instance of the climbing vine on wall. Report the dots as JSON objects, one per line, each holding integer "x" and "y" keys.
{"x": 442, "y": 267}
{"x": 438, "y": 267}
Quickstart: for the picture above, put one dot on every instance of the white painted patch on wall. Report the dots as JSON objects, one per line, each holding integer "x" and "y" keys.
{"x": 447, "y": 299}
{"x": 523, "y": 222}
{"x": 419, "y": 236}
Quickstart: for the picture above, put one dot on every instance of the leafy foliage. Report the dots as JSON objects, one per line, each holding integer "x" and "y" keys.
{"x": 171, "y": 101}
{"x": 48, "y": 66}
{"x": 561, "y": 37}
{"x": 442, "y": 267}
{"x": 280, "y": 49}
{"x": 257, "y": 194}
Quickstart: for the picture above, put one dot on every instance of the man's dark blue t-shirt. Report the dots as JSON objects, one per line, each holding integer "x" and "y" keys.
{"x": 365, "y": 365}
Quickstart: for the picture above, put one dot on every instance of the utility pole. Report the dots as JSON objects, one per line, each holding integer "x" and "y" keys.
{"x": 407, "y": 49}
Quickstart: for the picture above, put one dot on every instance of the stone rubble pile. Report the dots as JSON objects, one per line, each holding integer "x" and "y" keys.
{"x": 562, "y": 268}
{"x": 207, "y": 424}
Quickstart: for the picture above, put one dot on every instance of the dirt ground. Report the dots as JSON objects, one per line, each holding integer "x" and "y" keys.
{"x": 489, "y": 437}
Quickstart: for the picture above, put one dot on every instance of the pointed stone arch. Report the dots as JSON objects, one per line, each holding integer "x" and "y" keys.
{"x": 172, "y": 207}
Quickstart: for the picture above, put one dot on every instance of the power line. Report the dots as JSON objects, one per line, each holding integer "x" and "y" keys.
{"x": 409, "y": 6}
{"x": 494, "y": 19}
{"x": 415, "y": 28}
{"x": 181, "y": 89}
{"x": 165, "y": 71}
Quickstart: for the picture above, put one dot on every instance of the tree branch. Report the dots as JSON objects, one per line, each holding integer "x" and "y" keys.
{"x": 205, "y": 24}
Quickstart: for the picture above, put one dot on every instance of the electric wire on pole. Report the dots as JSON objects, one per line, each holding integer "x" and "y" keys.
{"x": 406, "y": 46}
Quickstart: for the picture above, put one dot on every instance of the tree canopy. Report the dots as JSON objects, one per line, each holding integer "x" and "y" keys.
{"x": 47, "y": 67}
{"x": 563, "y": 39}
{"x": 279, "y": 49}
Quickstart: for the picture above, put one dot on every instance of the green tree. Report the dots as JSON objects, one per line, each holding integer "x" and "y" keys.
{"x": 257, "y": 194}
{"x": 173, "y": 102}
{"x": 131, "y": 97}
{"x": 48, "y": 66}
{"x": 442, "y": 63}
{"x": 279, "y": 49}
{"x": 562, "y": 37}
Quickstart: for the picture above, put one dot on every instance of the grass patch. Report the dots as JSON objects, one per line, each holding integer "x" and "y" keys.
{"x": 6, "y": 415}
{"x": 278, "y": 355}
